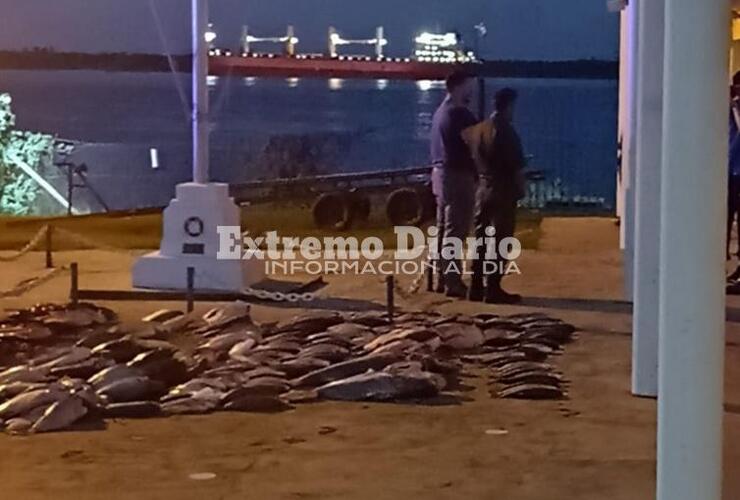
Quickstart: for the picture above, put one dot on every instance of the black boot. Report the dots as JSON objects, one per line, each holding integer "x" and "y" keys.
{"x": 501, "y": 296}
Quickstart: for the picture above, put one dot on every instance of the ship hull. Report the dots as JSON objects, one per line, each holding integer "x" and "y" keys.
{"x": 290, "y": 67}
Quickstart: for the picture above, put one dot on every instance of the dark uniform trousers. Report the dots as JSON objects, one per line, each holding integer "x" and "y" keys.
{"x": 498, "y": 209}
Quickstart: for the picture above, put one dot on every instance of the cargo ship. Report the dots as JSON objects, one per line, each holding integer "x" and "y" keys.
{"x": 435, "y": 56}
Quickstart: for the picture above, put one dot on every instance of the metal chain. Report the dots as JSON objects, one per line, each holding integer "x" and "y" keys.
{"x": 30, "y": 246}
{"x": 29, "y": 285}
{"x": 84, "y": 240}
{"x": 260, "y": 294}
{"x": 292, "y": 297}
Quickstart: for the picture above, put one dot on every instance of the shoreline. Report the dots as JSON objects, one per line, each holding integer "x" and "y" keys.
{"x": 125, "y": 62}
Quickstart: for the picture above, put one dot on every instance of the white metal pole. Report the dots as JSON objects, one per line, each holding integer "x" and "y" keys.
{"x": 200, "y": 92}
{"x": 627, "y": 226}
{"x": 692, "y": 253}
{"x": 647, "y": 200}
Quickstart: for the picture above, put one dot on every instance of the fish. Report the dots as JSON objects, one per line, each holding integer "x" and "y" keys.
{"x": 345, "y": 369}
{"x": 257, "y": 404}
{"x": 265, "y": 371}
{"x": 534, "y": 377}
{"x": 266, "y": 386}
{"x": 61, "y": 415}
{"x": 194, "y": 386}
{"x": 132, "y": 389}
{"x": 223, "y": 342}
{"x": 498, "y": 337}
{"x": 370, "y": 318}
{"x": 162, "y": 316}
{"x": 532, "y": 391}
{"x": 189, "y": 406}
{"x": 329, "y": 352}
{"x": 133, "y": 409}
{"x": 243, "y": 348}
{"x": 96, "y": 338}
{"x": 83, "y": 369}
{"x": 300, "y": 366}
{"x": 460, "y": 336}
{"x": 300, "y": 396}
{"x": 310, "y": 323}
{"x": 74, "y": 318}
{"x": 73, "y": 356}
{"x": 347, "y": 330}
{"x": 25, "y": 332}
{"x": 27, "y": 401}
{"x": 380, "y": 386}
{"x": 120, "y": 351}
{"x": 24, "y": 373}
{"x": 18, "y": 426}
{"x": 516, "y": 367}
{"x": 559, "y": 332}
{"x": 11, "y": 390}
{"x": 161, "y": 365}
{"x": 418, "y": 334}
{"x": 112, "y": 374}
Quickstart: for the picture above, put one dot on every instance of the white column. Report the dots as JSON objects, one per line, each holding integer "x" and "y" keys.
{"x": 692, "y": 310}
{"x": 647, "y": 199}
{"x": 623, "y": 115}
{"x": 200, "y": 92}
{"x": 627, "y": 227}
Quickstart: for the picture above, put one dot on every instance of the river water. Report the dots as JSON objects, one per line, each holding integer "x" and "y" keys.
{"x": 262, "y": 128}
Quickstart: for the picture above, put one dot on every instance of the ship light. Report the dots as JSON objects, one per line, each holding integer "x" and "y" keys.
{"x": 445, "y": 40}
{"x": 211, "y": 34}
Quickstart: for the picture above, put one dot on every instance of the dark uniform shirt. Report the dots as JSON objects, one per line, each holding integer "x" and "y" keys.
{"x": 448, "y": 149}
{"x": 505, "y": 158}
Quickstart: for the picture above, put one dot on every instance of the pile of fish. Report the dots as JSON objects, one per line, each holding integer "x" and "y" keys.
{"x": 64, "y": 366}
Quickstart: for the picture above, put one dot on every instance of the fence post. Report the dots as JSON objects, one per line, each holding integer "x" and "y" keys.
{"x": 390, "y": 298}
{"x": 191, "y": 286}
{"x": 49, "y": 243}
{"x": 74, "y": 284}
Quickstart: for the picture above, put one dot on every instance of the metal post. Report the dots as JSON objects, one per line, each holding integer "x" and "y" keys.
{"x": 74, "y": 284}
{"x": 692, "y": 250}
{"x": 647, "y": 201}
{"x": 70, "y": 187}
{"x": 245, "y": 40}
{"x": 200, "y": 92}
{"x": 290, "y": 44}
{"x": 332, "y": 45}
{"x": 48, "y": 246}
{"x": 190, "y": 289}
{"x": 390, "y": 297}
{"x": 379, "y": 39}
{"x": 430, "y": 275}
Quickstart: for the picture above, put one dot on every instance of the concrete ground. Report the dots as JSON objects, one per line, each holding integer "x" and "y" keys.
{"x": 598, "y": 444}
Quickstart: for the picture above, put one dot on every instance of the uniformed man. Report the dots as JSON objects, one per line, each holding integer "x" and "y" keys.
{"x": 498, "y": 154}
{"x": 454, "y": 179}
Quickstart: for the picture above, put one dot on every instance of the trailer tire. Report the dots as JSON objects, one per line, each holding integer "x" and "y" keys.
{"x": 360, "y": 206}
{"x": 331, "y": 211}
{"x": 405, "y": 207}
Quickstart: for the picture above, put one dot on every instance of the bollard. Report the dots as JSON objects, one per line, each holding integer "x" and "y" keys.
{"x": 74, "y": 284}
{"x": 430, "y": 276}
{"x": 389, "y": 290}
{"x": 191, "y": 286}
{"x": 49, "y": 257}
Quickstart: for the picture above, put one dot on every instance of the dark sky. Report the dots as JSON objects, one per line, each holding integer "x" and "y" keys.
{"x": 518, "y": 29}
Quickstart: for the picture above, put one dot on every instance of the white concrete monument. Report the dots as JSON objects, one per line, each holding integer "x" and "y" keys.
{"x": 190, "y": 236}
